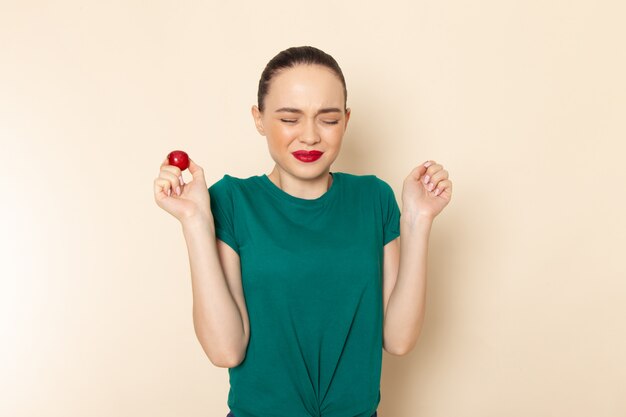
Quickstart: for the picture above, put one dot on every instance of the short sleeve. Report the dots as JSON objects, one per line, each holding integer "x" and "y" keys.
{"x": 390, "y": 212}
{"x": 222, "y": 208}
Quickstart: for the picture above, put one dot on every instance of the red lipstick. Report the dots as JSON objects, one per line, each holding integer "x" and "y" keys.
{"x": 307, "y": 156}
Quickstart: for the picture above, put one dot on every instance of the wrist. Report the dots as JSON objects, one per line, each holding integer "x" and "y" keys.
{"x": 416, "y": 218}
{"x": 198, "y": 222}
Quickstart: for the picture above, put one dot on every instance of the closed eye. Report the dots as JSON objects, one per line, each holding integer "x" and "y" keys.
{"x": 334, "y": 122}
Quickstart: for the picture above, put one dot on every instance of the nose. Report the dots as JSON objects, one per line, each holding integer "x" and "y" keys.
{"x": 309, "y": 134}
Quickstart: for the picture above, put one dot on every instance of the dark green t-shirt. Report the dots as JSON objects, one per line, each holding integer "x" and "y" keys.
{"x": 312, "y": 275}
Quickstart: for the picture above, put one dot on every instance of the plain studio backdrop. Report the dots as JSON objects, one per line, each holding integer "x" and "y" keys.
{"x": 523, "y": 102}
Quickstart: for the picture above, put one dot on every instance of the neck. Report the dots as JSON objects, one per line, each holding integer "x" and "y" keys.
{"x": 306, "y": 188}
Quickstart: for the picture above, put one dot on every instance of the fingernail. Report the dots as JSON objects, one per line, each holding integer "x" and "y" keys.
{"x": 178, "y": 190}
{"x": 169, "y": 192}
{"x": 437, "y": 191}
{"x": 426, "y": 178}
{"x": 427, "y": 164}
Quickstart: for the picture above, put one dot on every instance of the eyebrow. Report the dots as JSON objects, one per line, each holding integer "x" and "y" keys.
{"x": 294, "y": 110}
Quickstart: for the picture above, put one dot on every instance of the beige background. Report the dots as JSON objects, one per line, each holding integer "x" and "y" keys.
{"x": 523, "y": 102}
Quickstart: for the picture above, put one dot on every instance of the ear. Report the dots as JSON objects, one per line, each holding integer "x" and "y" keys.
{"x": 258, "y": 120}
{"x": 348, "y": 112}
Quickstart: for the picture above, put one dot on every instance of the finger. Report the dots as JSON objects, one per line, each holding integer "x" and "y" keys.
{"x": 174, "y": 170}
{"x": 435, "y": 178}
{"x": 162, "y": 188}
{"x": 177, "y": 171}
{"x": 170, "y": 176}
{"x": 430, "y": 171}
{"x": 172, "y": 179}
{"x": 444, "y": 185}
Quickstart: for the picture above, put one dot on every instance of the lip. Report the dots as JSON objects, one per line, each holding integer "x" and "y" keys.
{"x": 307, "y": 156}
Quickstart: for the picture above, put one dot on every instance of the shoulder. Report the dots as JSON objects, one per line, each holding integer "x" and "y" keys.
{"x": 226, "y": 195}
{"x": 228, "y": 183}
{"x": 369, "y": 182}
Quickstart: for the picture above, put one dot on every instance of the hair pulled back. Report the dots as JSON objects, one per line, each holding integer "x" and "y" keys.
{"x": 290, "y": 58}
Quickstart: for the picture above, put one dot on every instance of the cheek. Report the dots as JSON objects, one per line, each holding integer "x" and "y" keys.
{"x": 279, "y": 137}
{"x": 335, "y": 134}
{"x": 280, "y": 132}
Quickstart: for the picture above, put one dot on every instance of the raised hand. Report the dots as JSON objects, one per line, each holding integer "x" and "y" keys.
{"x": 183, "y": 201}
{"x": 426, "y": 190}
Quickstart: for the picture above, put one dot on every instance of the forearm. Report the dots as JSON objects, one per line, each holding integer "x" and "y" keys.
{"x": 216, "y": 317}
{"x": 406, "y": 305}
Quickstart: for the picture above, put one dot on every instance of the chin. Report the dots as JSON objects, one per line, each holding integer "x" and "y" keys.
{"x": 309, "y": 172}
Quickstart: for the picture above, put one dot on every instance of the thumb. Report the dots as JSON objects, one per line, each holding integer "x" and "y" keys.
{"x": 196, "y": 170}
{"x": 418, "y": 171}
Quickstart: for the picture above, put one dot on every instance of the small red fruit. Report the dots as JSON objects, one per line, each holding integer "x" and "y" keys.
{"x": 179, "y": 159}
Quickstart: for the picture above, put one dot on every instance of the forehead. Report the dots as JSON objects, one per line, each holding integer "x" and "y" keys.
{"x": 306, "y": 85}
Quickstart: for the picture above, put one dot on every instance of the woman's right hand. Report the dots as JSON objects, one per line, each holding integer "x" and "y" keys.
{"x": 193, "y": 201}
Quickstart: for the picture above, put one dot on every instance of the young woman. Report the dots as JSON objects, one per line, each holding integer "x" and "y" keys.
{"x": 302, "y": 276}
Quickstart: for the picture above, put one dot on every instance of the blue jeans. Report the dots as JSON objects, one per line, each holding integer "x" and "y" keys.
{"x": 230, "y": 414}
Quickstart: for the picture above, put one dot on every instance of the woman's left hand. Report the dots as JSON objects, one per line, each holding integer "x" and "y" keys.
{"x": 427, "y": 190}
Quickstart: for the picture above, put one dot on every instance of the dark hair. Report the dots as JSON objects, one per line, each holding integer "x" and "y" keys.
{"x": 290, "y": 58}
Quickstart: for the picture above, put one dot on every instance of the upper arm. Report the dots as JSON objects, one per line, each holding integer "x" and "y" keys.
{"x": 231, "y": 266}
{"x": 391, "y": 264}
